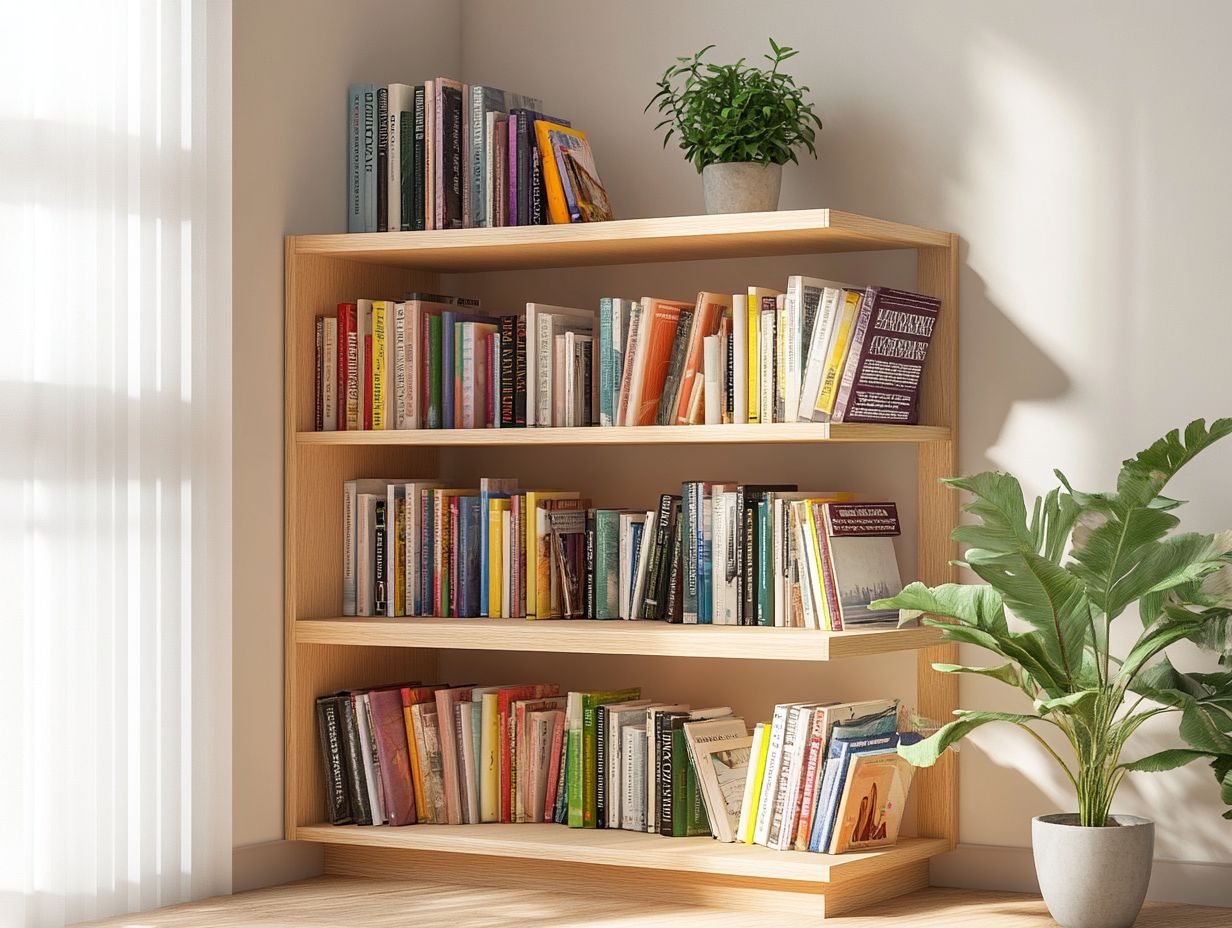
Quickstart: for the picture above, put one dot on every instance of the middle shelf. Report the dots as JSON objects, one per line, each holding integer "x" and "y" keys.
{"x": 582, "y": 636}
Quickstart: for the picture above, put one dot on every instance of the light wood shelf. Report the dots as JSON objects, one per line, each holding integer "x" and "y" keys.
{"x": 325, "y": 654}
{"x": 779, "y": 433}
{"x": 617, "y": 848}
{"x": 629, "y": 241}
{"x": 613, "y": 637}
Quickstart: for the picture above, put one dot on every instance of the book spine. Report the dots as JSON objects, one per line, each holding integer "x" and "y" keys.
{"x": 508, "y": 333}
{"x": 318, "y": 422}
{"x": 854, "y": 352}
{"x": 382, "y": 159}
{"x": 349, "y": 501}
{"x": 406, "y": 171}
{"x": 380, "y": 371}
{"x": 591, "y": 578}
{"x": 362, "y": 809}
{"x": 355, "y": 158}
{"x": 417, "y": 156}
{"x": 765, "y": 564}
{"x": 427, "y": 533}
{"x": 675, "y": 586}
{"x": 657, "y": 571}
{"x": 681, "y": 807}
{"x": 380, "y": 561}
{"x": 538, "y": 202}
{"x": 663, "y": 750}
{"x": 600, "y": 756}
{"x": 476, "y": 155}
{"x": 690, "y": 512}
{"x": 510, "y": 147}
{"x": 333, "y": 755}
{"x": 451, "y": 175}
{"x": 348, "y": 383}
{"x": 670, "y": 397}
{"x": 746, "y": 512}
{"x": 519, "y": 374}
{"x": 369, "y": 158}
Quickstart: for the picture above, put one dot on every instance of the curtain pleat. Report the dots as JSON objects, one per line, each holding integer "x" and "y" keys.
{"x": 115, "y": 402}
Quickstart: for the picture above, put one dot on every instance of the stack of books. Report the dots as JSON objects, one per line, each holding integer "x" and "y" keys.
{"x": 449, "y": 155}
{"x": 715, "y": 553}
{"x": 819, "y": 777}
{"x": 815, "y": 352}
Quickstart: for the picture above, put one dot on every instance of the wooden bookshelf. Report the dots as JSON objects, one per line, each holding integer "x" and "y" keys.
{"x": 325, "y": 653}
{"x": 613, "y": 637}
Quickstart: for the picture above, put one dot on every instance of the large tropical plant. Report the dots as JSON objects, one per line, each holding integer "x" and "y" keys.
{"x": 1066, "y": 569}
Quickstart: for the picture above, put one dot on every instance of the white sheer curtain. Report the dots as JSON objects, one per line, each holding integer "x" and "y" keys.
{"x": 115, "y": 662}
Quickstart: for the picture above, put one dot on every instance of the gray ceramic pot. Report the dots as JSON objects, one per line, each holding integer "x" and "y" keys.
{"x": 741, "y": 187}
{"x": 1093, "y": 877}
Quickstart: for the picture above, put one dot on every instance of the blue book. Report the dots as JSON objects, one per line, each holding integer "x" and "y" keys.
{"x": 490, "y": 488}
{"x": 837, "y": 760}
{"x": 688, "y": 559}
{"x": 468, "y": 556}
{"x": 368, "y": 129}
{"x": 355, "y": 158}
{"x": 605, "y": 361}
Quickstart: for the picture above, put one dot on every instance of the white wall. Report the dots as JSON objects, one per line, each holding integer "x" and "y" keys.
{"x": 1079, "y": 150}
{"x": 293, "y": 60}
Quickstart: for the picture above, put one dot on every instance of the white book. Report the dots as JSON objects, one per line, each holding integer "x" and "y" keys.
{"x": 506, "y": 565}
{"x": 329, "y": 375}
{"x": 767, "y": 345}
{"x": 773, "y": 772}
{"x": 724, "y": 582}
{"x": 619, "y": 314}
{"x": 817, "y": 343}
{"x": 719, "y": 752}
{"x": 376, "y": 801}
{"x": 637, "y": 362}
{"x": 365, "y": 553}
{"x": 795, "y": 745}
{"x": 638, "y": 599}
{"x": 633, "y": 322}
{"x": 747, "y": 810}
{"x": 712, "y": 376}
{"x": 469, "y": 767}
{"x": 414, "y": 520}
{"x": 740, "y": 358}
{"x": 813, "y": 610}
{"x": 539, "y": 336}
{"x": 627, "y": 551}
{"x": 619, "y": 717}
{"x": 633, "y": 778}
{"x": 401, "y": 100}
{"x": 542, "y": 725}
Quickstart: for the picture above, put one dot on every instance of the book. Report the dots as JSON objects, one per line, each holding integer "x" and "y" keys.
{"x": 506, "y": 696}
{"x": 355, "y": 157}
{"x": 773, "y": 772}
{"x": 633, "y": 778}
{"x": 489, "y": 763}
{"x": 334, "y": 746}
{"x": 425, "y": 717}
{"x": 450, "y": 765}
{"x": 863, "y": 564}
{"x": 707, "y": 314}
{"x": 657, "y": 331}
{"x": 382, "y": 159}
{"x": 614, "y": 719}
{"x": 588, "y": 753}
{"x": 449, "y": 174}
{"x": 842, "y": 750}
{"x": 369, "y": 759}
{"x": 481, "y": 101}
{"x": 572, "y": 190}
{"x": 720, "y": 750}
{"x": 752, "y": 786}
{"x": 543, "y": 323}
{"x": 870, "y": 810}
{"x": 820, "y": 300}
{"x": 389, "y": 726}
{"x": 399, "y": 101}
{"x": 836, "y": 358}
{"x": 885, "y": 365}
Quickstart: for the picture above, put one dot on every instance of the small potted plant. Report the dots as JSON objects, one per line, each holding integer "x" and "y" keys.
{"x": 1066, "y": 569}
{"x": 738, "y": 125}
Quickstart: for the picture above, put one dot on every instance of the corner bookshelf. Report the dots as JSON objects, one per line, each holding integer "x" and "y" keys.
{"x": 325, "y": 652}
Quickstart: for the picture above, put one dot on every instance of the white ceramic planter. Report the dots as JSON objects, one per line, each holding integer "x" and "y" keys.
{"x": 741, "y": 187}
{"x": 1093, "y": 877}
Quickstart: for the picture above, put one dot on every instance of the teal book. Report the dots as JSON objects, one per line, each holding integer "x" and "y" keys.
{"x": 355, "y": 157}
{"x": 607, "y": 564}
{"x": 434, "y": 371}
{"x": 765, "y": 562}
{"x": 606, "y": 361}
{"x": 688, "y": 516}
{"x": 587, "y": 787}
{"x": 703, "y": 533}
{"x": 689, "y": 810}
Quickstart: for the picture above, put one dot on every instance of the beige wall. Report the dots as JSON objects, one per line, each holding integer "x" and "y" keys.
{"x": 293, "y": 62}
{"x": 1080, "y": 150}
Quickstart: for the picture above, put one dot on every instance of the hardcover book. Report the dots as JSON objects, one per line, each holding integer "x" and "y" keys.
{"x": 862, "y": 559}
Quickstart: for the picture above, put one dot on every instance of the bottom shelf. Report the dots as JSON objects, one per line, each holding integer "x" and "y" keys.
{"x": 615, "y": 848}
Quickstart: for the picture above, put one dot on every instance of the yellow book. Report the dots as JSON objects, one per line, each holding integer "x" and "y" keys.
{"x": 412, "y": 752}
{"x": 496, "y": 555}
{"x": 533, "y": 499}
{"x": 817, "y": 556}
{"x": 833, "y": 375}
{"x": 553, "y": 188}
{"x": 489, "y": 773}
{"x": 756, "y": 413}
{"x": 380, "y": 373}
{"x": 752, "y": 791}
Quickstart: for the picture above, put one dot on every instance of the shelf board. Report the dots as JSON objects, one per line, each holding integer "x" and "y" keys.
{"x": 615, "y": 848}
{"x": 629, "y": 241}
{"x": 613, "y": 637}
{"x": 779, "y": 433}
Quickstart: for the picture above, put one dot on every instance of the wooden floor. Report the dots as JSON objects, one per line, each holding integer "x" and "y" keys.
{"x": 335, "y": 902}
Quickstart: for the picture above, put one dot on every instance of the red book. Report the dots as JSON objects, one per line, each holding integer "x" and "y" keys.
{"x": 812, "y": 763}
{"x": 504, "y": 698}
{"x": 368, "y": 381}
{"x": 348, "y": 368}
{"x": 450, "y": 762}
{"x": 654, "y": 352}
{"x": 391, "y": 747}
{"x": 558, "y": 735}
{"x": 453, "y": 555}
{"x": 519, "y": 748}
{"x": 706, "y": 318}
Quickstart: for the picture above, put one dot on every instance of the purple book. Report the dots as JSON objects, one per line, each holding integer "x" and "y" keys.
{"x": 881, "y": 379}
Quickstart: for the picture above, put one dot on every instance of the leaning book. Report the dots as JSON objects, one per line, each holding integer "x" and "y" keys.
{"x": 719, "y": 750}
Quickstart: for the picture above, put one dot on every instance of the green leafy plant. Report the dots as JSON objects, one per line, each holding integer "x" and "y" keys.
{"x": 1068, "y": 568}
{"x": 735, "y": 112}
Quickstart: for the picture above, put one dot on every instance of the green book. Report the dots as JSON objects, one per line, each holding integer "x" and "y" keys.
{"x": 607, "y": 564}
{"x": 589, "y": 750}
{"x": 573, "y": 760}
{"x": 765, "y": 561}
{"x": 434, "y": 371}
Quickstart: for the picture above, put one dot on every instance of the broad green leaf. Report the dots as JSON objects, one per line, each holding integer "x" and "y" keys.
{"x": 1144, "y": 476}
{"x": 978, "y": 606}
{"x": 1069, "y": 700}
{"x": 1109, "y": 556}
{"x": 1048, "y": 597}
{"x": 1165, "y": 760}
{"x": 1053, "y": 522}
{"x": 1002, "y": 512}
{"x": 926, "y": 753}
{"x": 1176, "y": 624}
{"x": 1006, "y": 673}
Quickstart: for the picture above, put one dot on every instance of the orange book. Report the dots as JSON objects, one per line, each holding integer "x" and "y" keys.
{"x": 413, "y": 695}
{"x": 654, "y": 351}
{"x": 706, "y": 317}
{"x": 553, "y": 184}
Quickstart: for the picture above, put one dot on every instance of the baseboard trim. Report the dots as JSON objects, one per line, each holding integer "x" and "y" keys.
{"x": 980, "y": 866}
{"x": 255, "y": 866}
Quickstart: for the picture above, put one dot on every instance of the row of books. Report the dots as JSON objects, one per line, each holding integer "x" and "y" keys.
{"x": 718, "y": 553}
{"x": 449, "y": 155}
{"x": 819, "y": 776}
{"x": 818, "y": 351}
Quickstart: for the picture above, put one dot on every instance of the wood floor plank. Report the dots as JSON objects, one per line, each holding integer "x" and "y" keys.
{"x": 342, "y": 902}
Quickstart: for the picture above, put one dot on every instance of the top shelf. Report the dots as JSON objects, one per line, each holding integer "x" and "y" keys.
{"x": 629, "y": 241}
